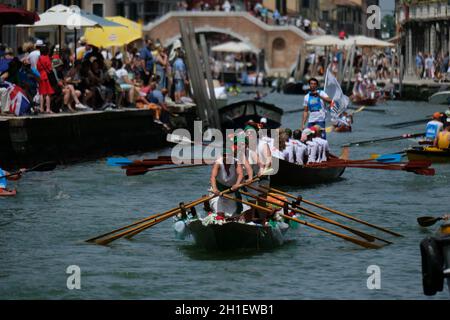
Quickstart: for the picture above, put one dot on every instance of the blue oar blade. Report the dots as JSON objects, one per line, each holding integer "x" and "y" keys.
{"x": 118, "y": 162}
{"x": 390, "y": 158}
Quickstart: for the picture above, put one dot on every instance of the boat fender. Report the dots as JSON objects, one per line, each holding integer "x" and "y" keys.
{"x": 432, "y": 266}
{"x": 283, "y": 227}
{"x": 180, "y": 230}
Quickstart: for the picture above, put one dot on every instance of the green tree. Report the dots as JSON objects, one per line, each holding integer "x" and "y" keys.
{"x": 388, "y": 26}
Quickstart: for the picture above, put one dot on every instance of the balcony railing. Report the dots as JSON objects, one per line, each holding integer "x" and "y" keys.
{"x": 426, "y": 11}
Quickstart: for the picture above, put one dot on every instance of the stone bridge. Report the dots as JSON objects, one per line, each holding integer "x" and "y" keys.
{"x": 281, "y": 44}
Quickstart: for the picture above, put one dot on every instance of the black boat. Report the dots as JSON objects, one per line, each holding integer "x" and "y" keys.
{"x": 236, "y": 115}
{"x": 294, "y": 88}
{"x": 291, "y": 174}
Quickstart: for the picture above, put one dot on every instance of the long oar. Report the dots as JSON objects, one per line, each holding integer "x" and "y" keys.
{"x": 143, "y": 226}
{"x": 404, "y": 136}
{"x": 186, "y": 207}
{"x": 43, "y": 167}
{"x": 186, "y": 141}
{"x": 317, "y": 216}
{"x": 120, "y": 162}
{"x": 407, "y": 124}
{"x": 361, "y": 243}
{"x": 260, "y": 208}
{"x": 428, "y": 221}
{"x": 142, "y": 171}
{"x": 127, "y": 227}
{"x": 333, "y": 211}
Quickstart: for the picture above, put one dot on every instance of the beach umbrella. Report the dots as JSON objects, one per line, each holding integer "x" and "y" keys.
{"x": 72, "y": 18}
{"x": 13, "y": 16}
{"x": 233, "y": 47}
{"x": 113, "y": 36}
{"x": 364, "y": 41}
{"x": 326, "y": 41}
{"x": 9, "y": 15}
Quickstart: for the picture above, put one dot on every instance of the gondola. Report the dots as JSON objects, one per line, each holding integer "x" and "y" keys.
{"x": 236, "y": 115}
{"x": 292, "y": 174}
{"x": 209, "y": 234}
{"x": 432, "y": 154}
{"x": 294, "y": 88}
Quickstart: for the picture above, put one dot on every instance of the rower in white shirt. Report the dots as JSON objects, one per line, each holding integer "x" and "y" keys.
{"x": 313, "y": 147}
{"x": 300, "y": 149}
{"x": 325, "y": 153}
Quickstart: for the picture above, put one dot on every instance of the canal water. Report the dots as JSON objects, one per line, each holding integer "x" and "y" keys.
{"x": 43, "y": 228}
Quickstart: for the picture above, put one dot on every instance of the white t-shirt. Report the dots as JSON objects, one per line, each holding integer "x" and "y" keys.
{"x": 313, "y": 151}
{"x": 316, "y": 116}
{"x": 121, "y": 73}
{"x": 301, "y": 151}
{"x": 323, "y": 149}
{"x": 34, "y": 57}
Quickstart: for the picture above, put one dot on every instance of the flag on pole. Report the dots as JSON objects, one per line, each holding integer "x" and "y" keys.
{"x": 334, "y": 91}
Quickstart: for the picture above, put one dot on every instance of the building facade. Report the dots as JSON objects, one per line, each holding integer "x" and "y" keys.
{"x": 423, "y": 26}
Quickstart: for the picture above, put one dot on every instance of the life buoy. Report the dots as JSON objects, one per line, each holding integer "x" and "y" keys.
{"x": 432, "y": 264}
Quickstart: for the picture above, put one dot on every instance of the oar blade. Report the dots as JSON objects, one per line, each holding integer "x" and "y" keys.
{"x": 427, "y": 221}
{"x": 118, "y": 162}
{"x": 131, "y": 172}
{"x": 390, "y": 158}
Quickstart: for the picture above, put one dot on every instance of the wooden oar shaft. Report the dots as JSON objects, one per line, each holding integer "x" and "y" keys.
{"x": 193, "y": 204}
{"x": 143, "y": 226}
{"x": 405, "y": 136}
{"x": 153, "y": 217}
{"x": 144, "y": 170}
{"x": 138, "y": 228}
{"x": 260, "y": 208}
{"x": 334, "y": 211}
{"x": 319, "y": 217}
{"x": 361, "y": 243}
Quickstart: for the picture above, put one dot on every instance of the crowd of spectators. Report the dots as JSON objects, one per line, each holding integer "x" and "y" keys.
{"x": 258, "y": 10}
{"x": 57, "y": 80}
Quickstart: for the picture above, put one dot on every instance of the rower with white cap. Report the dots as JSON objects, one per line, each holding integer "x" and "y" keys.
{"x": 313, "y": 147}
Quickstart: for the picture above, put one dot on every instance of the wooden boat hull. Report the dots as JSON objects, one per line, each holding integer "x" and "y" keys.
{"x": 431, "y": 154}
{"x": 294, "y": 88}
{"x": 236, "y": 115}
{"x": 294, "y": 175}
{"x": 342, "y": 129}
{"x": 365, "y": 102}
{"x": 234, "y": 236}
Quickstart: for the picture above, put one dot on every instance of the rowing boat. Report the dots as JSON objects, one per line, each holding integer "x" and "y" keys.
{"x": 365, "y": 102}
{"x": 432, "y": 154}
{"x": 236, "y": 115}
{"x": 219, "y": 235}
{"x": 8, "y": 193}
{"x": 292, "y": 174}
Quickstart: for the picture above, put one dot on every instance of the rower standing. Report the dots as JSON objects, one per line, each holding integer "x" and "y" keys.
{"x": 314, "y": 107}
{"x": 226, "y": 174}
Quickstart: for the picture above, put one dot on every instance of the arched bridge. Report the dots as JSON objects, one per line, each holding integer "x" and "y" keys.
{"x": 281, "y": 44}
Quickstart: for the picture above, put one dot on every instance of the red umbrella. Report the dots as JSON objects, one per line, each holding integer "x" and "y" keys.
{"x": 9, "y": 15}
